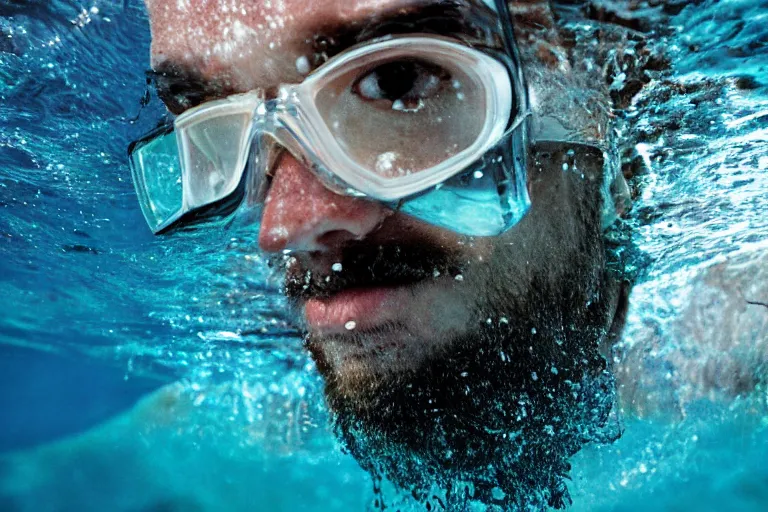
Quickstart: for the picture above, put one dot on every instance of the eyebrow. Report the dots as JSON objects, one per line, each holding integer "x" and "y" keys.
{"x": 180, "y": 87}
{"x": 470, "y": 21}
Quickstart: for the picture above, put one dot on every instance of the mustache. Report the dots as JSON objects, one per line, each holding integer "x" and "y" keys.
{"x": 367, "y": 265}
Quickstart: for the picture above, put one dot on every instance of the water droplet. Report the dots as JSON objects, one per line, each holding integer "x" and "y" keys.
{"x": 478, "y": 175}
{"x": 350, "y": 325}
{"x": 459, "y": 277}
{"x": 302, "y": 65}
{"x": 336, "y": 267}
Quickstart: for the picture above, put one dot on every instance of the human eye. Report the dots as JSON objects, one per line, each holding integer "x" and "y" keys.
{"x": 402, "y": 85}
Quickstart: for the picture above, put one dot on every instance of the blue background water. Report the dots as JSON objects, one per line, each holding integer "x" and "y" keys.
{"x": 72, "y": 241}
{"x": 82, "y": 278}
{"x": 95, "y": 312}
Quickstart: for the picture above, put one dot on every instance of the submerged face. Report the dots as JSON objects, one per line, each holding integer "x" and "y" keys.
{"x": 421, "y": 333}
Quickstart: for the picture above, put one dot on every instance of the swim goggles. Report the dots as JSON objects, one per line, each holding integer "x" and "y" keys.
{"x": 425, "y": 124}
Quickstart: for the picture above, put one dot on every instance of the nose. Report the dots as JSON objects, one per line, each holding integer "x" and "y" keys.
{"x": 301, "y": 214}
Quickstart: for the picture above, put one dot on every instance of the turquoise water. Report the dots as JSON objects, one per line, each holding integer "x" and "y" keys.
{"x": 96, "y": 314}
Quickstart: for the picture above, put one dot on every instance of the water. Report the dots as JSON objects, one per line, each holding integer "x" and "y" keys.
{"x": 96, "y": 312}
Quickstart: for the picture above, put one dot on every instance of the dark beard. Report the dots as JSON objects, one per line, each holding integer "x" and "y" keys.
{"x": 505, "y": 425}
{"x": 495, "y": 416}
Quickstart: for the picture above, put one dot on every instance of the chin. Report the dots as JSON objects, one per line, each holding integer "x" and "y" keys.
{"x": 395, "y": 340}
{"x": 358, "y": 365}
{"x": 430, "y": 417}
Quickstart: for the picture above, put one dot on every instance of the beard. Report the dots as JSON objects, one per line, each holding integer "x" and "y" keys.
{"x": 493, "y": 418}
{"x": 493, "y": 413}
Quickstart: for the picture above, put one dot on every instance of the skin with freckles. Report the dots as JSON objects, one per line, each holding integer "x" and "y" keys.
{"x": 417, "y": 329}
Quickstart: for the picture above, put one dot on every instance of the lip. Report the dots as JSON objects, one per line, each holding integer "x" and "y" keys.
{"x": 355, "y": 309}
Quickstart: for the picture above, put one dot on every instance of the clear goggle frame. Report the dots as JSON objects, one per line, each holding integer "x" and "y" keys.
{"x": 450, "y": 151}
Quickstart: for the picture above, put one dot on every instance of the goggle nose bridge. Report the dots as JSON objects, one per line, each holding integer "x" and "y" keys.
{"x": 264, "y": 125}
{"x": 270, "y": 136}
{"x": 282, "y": 120}
{"x": 269, "y": 117}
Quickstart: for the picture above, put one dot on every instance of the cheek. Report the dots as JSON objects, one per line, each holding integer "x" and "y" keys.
{"x": 443, "y": 311}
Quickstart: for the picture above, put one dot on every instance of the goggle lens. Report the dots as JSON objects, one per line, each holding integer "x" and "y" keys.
{"x": 157, "y": 175}
{"x": 215, "y": 152}
{"x": 401, "y": 116}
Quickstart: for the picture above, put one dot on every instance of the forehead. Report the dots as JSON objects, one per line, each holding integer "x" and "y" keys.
{"x": 257, "y": 43}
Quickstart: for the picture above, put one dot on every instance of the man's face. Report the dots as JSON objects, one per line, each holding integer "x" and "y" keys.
{"x": 395, "y": 309}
